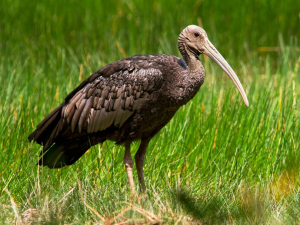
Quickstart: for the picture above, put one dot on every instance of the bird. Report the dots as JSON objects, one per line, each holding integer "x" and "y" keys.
{"x": 129, "y": 100}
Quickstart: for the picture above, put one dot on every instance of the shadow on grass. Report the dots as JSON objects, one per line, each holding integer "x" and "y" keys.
{"x": 248, "y": 208}
{"x": 203, "y": 210}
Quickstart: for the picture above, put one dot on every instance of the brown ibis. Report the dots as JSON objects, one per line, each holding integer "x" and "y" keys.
{"x": 126, "y": 101}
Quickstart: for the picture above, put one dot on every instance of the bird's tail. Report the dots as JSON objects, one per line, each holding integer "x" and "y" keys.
{"x": 46, "y": 131}
{"x": 64, "y": 153}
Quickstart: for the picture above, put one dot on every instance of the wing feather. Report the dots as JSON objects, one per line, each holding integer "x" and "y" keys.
{"x": 77, "y": 114}
{"x": 95, "y": 102}
{"x": 66, "y": 110}
{"x": 91, "y": 120}
{"x": 95, "y": 124}
{"x": 85, "y": 112}
{"x": 102, "y": 120}
{"x": 110, "y": 100}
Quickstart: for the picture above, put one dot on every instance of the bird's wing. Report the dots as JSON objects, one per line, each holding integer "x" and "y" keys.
{"x": 108, "y": 97}
{"x": 110, "y": 100}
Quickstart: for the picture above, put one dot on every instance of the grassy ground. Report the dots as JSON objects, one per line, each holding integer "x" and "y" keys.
{"x": 215, "y": 162}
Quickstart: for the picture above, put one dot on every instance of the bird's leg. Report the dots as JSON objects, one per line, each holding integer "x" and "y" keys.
{"x": 128, "y": 164}
{"x": 139, "y": 160}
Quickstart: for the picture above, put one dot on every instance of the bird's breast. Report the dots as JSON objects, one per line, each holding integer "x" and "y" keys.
{"x": 182, "y": 88}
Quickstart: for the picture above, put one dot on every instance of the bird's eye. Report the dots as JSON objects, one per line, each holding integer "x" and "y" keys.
{"x": 196, "y": 34}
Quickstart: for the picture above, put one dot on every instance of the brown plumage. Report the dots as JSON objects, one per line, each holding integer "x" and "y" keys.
{"x": 125, "y": 101}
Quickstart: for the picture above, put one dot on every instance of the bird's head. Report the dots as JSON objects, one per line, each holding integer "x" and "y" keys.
{"x": 193, "y": 41}
{"x": 194, "y": 38}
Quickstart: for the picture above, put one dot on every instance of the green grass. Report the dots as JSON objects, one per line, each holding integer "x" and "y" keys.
{"x": 215, "y": 162}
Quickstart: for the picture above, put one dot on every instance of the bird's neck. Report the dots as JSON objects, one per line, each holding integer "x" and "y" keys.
{"x": 190, "y": 58}
{"x": 194, "y": 64}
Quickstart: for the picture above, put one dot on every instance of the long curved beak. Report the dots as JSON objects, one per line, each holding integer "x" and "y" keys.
{"x": 213, "y": 53}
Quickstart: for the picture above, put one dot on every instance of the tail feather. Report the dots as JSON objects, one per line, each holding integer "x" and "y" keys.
{"x": 61, "y": 147}
{"x": 66, "y": 153}
{"x": 43, "y": 132}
